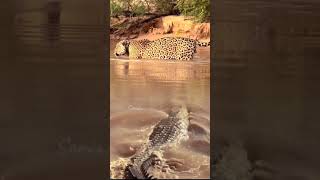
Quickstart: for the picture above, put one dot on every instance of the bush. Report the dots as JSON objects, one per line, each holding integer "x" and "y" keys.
{"x": 200, "y": 9}
{"x": 165, "y": 6}
{"x": 139, "y": 9}
{"x": 123, "y": 7}
{"x": 115, "y": 9}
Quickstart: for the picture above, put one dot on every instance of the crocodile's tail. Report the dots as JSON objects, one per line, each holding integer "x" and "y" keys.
{"x": 136, "y": 172}
{"x": 147, "y": 164}
{"x": 203, "y": 44}
{"x": 128, "y": 174}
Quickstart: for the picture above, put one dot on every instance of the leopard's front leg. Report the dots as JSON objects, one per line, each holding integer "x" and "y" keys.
{"x": 135, "y": 56}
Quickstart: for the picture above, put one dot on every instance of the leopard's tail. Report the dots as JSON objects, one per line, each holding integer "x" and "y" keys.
{"x": 203, "y": 44}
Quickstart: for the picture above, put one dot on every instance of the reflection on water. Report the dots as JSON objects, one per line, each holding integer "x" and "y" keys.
{"x": 270, "y": 102}
{"x": 54, "y": 13}
{"x": 267, "y": 89}
{"x": 52, "y": 87}
{"x": 140, "y": 90}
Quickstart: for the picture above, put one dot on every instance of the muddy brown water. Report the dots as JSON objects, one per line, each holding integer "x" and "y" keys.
{"x": 266, "y": 88}
{"x": 141, "y": 90}
{"x": 270, "y": 102}
{"x": 52, "y": 90}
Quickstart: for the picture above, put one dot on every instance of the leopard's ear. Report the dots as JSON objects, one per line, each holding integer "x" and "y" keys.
{"x": 125, "y": 43}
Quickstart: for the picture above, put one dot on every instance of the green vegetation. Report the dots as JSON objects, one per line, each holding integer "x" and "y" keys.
{"x": 115, "y": 9}
{"x": 127, "y": 7}
{"x": 139, "y": 9}
{"x": 200, "y": 9}
{"x": 164, "y": 6}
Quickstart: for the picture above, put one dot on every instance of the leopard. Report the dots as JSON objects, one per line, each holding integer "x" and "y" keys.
{"x": 166, "y": 48}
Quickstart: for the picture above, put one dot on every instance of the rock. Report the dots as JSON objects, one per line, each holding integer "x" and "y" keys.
{"x": 167, "y": 27}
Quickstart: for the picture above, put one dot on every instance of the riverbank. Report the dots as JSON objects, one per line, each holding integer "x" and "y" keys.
{"x": 154, "y": 27}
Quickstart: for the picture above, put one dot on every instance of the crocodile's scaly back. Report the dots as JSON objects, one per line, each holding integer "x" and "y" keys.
{"x": 167, "y": 131}
{"x": 170, "y": 129}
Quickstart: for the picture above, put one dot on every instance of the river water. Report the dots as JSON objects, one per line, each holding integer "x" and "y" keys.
{"x": 53, "y": 90}
{"x": 141, "y": 90}
{"x": 53, "y": 93}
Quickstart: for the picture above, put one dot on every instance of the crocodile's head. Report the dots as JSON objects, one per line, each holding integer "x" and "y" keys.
{"x": 179, "y": 111}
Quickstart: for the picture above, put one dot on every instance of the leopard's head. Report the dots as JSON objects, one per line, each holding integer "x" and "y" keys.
{"x": 122, "y": 48}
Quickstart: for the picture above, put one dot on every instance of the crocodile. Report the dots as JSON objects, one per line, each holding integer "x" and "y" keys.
{"x": 230, "y": 158}
{"x": 168, "y": 131}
